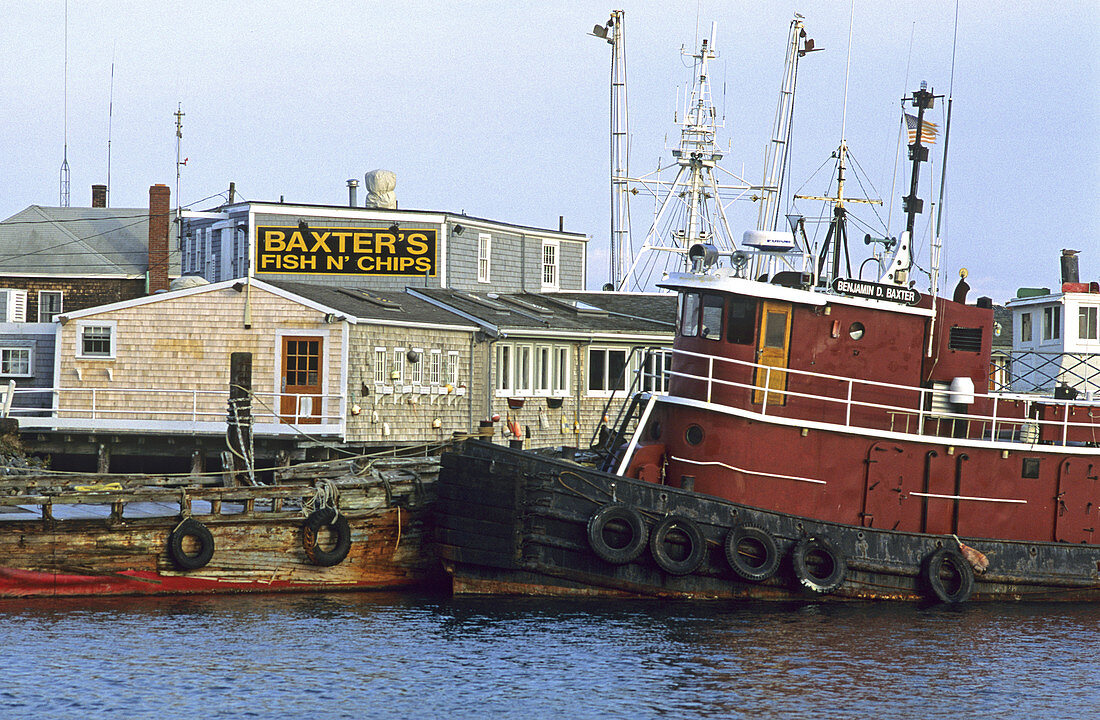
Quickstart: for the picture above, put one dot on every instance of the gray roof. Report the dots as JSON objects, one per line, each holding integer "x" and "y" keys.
{"x": 392, "y": 305}
{"x": 86, "y": 242}
{"x": 577, "y": 312}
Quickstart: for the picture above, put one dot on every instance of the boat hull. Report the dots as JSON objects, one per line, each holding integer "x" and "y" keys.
{"x": 257, "y": 538}
{"x": 520, "y": 523}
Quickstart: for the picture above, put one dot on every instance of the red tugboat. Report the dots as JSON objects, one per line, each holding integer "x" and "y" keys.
{"x": 822, "y": 436}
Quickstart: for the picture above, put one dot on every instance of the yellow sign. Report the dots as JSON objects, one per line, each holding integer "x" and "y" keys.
{"x": 346, "y": 251}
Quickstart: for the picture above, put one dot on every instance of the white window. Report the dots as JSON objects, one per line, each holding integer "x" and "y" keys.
{"x": 381, "y": 371}
{"x": 657, "y": 365}
{"x": 49, "y": 305}
{"x": 504, "y": 368}
{"x": 435, "y": 368}
{"x": 484, "y": 256}
{"x": 95, "y": 339}
{"x": 1087, "y": 323}
{"x": 397, "y": 372}
{"x": 13, "y": 305}
{"x": 606, "y": 370}
{"x": 15, "y": 361}
{"x": 1052, "y": 322}
{"x": 524, "y": 355}
{"x": 1025, "y": 327}
{"x": 417, "y": 369}
{"x": 562, "y": 370}
{"x": 453, "y": 368}
{"x": 544, "y": 369}
{"x": 550, "y": 265}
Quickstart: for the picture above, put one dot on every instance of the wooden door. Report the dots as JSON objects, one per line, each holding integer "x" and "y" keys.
{"x": 773, "y": 351}
{"x": 302, "y": 398}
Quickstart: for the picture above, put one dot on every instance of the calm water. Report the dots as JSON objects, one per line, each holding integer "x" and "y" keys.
{"x": 383, "y": 656}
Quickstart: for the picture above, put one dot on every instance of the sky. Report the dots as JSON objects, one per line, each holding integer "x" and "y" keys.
{"x": 501, "y": 109}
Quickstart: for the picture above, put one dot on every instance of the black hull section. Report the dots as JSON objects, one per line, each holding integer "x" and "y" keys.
{"x": 520, "y": 523}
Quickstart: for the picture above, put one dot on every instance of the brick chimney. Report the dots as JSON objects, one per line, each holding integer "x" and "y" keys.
{"x": 99, "y": 196}
{"x": 159, "y": 201}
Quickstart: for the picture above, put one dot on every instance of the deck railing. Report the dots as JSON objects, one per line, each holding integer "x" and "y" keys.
{"x": 920, "y": 411}
{"x": 1031, "y": 371}
{"x": 178, "y": 410}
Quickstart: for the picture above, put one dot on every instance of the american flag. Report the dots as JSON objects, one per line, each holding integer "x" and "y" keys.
{"x": 928, "y": 131}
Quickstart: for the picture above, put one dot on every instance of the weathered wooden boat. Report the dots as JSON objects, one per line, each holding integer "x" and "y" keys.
{"x": 822, "y": 436}
{"x": 352, "y": 524}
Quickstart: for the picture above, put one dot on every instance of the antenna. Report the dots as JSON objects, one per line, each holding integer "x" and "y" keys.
{"x": 110, "y": 119}
{"x": 65, "y": 157}
{"x": 622, "y": 252}
{"x": 179, "y": 136}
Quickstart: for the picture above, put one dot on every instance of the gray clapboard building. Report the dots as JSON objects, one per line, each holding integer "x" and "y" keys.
{"x": 378, "y": 249}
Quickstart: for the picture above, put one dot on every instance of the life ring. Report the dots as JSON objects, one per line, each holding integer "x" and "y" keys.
{"x": 326, "y": 517}
{"x": 948, "y": 575}
{"x": 690, "y": 533}
{"x": 752, "y": 553}
{"x": 817, "y": 565}
{"x": 190, "y": 527}
{"x": 622, "y": 516}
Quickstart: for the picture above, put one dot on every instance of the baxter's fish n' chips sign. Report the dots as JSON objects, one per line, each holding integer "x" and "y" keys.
{"x": 345, "y": 251}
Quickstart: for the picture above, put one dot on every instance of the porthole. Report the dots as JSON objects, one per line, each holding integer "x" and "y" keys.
{"x": 693, "y": 435}
{"x": 856, "y": 330}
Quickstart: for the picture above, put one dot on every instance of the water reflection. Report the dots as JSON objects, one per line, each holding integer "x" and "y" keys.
{"x": 366, "y": 655}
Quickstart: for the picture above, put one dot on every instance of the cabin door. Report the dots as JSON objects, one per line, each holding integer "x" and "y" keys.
{"x": 773, "y": 353}
{"x": 301, "y": 398}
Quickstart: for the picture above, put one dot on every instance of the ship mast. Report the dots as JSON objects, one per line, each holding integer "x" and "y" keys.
{"x": 695, "y": 184}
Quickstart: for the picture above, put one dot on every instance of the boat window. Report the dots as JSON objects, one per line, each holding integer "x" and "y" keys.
{"x": 741, "y": 320}
{"x": 775, "y": 329}
{"x": 712, "y": 317}
{"x": 689, "y": 317}
{"x": 856, "y": 330}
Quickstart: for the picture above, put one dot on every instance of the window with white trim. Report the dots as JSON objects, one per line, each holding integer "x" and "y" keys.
{"x": 13, "y": 305}
{"x": 1052, "y": 322}
{"x": 562, "y": 370}
{"x": 381, "y": 373}
{"x": 504, "y": 368}
{"x": 453, "y": 368}
{"x": 606, "y": 370}
{"x": 656, "y": 368}
{"x": 544, "y": 369}
{"x": 417, "y": 369}
{"x": 550, "y": 265}
{"x": 397, "y": 373}
{"x": 1087, "y": 323}
{"x": 49, "y": 305}
{"x": 435, "y": 368}
{"x": 95, "y": 340}
{"x": 1025, "y": 327}
{"x": 484, "y": 256}
{"x": 524, "y": 355}
{"x": 16, "y": 361}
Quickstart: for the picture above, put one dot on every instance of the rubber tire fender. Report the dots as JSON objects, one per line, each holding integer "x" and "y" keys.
{"x": 806, "y": 578}
{"x": 763, "y": 542}
{"x": 930, "y": 573}
{"x": 191, "y": 527}
{"x": 690, "y": 530}
{"x": 326, "y": 517}
{"x": 626, "y": 515}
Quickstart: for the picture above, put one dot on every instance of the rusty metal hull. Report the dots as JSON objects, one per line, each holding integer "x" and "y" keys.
{"x": 516, "y": 522}
{"x": 257, "y": 535}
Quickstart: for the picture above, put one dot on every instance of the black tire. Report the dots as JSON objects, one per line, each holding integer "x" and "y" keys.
{"x": 817, "y": 565}
{"x": 948, "y": 575}
{"x": 192, "y": 528}
{"x": 690, "y": 533}
{"x": 326, "y": 517}
{"x": 752, "y": 553}
{"x": 617, "y": 518}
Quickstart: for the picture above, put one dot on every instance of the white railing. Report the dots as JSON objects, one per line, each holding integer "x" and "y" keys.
{"x": 921, "y": 408}
{"x": 167, "y": 409}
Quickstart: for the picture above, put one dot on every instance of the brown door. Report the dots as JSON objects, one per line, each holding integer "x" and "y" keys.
{"x": 773, "y": 351}
{"x": 302, "y": 400}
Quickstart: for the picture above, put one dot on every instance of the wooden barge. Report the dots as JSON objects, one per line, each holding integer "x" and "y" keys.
{"x": 351, "y": 524}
